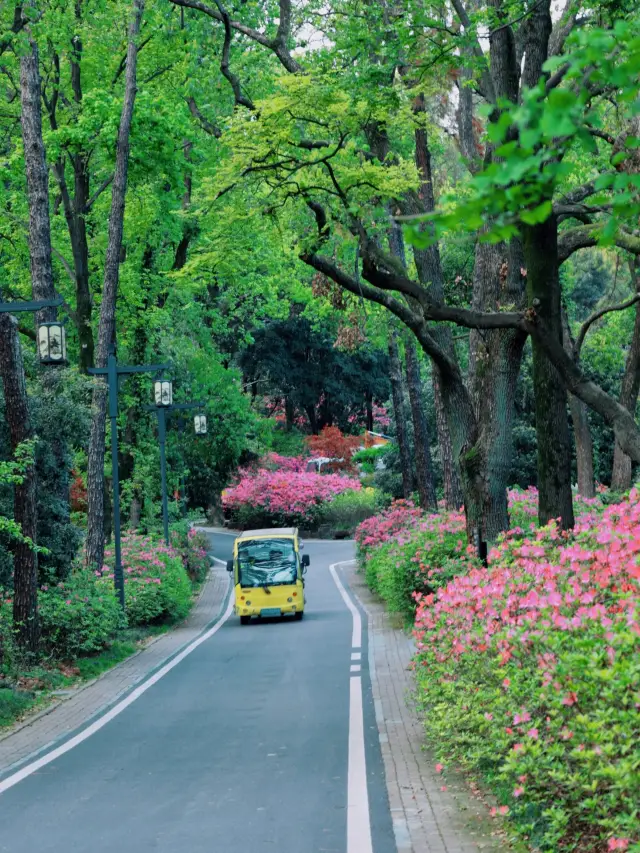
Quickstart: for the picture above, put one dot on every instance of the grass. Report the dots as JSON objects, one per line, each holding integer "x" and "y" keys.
{"x": 128, "y": 642}
{"x": 13, "y": 704}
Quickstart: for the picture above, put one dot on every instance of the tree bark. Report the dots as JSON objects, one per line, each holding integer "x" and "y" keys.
{"x": 369, "y": 410}
{"x": 429, "y": 269}
{"x": 25, "y": 607}
{"x": 453, "y": 497}
{"x": 25, "y": 560}
{"x": 622, "y": 465}
{"x": 424, "y": 464}
{"x": 397, "y": 394}
{"x": 37, "y": 181}
{"x": 106, "y": 329}
{"x": 581, "y": 428}
{"x": 552, "y": 423}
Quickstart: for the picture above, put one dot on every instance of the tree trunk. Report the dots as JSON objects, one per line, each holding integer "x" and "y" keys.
{"x": 424, "y": 464}
{"x": 581, "y": 428}
{"x": 429, "y": 269}
{"x": 25, "y": 560}
{"x": 453, "y": 497}
{"x": 369, "y": 407}
{"x": 622, "y": 466}
{"x": 106, "y": 330}
{"x": 37, "y": 182}
{"x": 552, "y": 423}
{"x": 25, "y": 607}
{"x": 397, "y": 393}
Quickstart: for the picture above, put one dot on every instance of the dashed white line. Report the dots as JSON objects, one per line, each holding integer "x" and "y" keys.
{"x": 356, "y": 656}
{"x": 358, "y": 817}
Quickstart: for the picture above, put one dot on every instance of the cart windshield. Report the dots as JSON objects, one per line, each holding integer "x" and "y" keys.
{"x": 267, "y": 562}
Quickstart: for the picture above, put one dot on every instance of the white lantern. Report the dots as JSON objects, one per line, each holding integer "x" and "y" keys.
{"x": 52, "y": 345}
{"x": 200, "y": 424}
{"x": 163, "y": 390}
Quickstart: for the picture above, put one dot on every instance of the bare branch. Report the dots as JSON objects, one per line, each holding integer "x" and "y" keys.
{"x": 103, "y": 186}
{"x": 277, "y": 44}
{"x": 65, "y": 263}
{"x": 234, "y": 80}
{"x": 601, "y": 313}
{"x": 585, "y": 236}
{"x": 208, "y": 126}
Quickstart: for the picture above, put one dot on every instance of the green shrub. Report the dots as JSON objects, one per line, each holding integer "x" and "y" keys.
{"x": 79, "y": 616}
{"x": 350, "y": 508}
{"x": 370, "y": 455}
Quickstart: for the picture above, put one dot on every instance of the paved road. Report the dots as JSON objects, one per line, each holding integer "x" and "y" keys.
{"x": 243, "y": 747}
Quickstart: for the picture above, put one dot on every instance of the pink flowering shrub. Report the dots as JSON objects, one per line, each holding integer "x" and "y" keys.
{"x": 284, "y": 498}
{"x": 77, "y": 616}
{"x": 405, "y": 551}
{"x": 157, "y": 587}
{"x": 276, "y": 462}
{"x": 529, "y": 673}
{"x": 192, "y": 545}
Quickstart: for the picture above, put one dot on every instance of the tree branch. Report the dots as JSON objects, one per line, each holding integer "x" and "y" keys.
{"x": 208, "y": 126}
{"x": 277, "y": 44}
{"x": 234, "y": 80}
{"x": 585, "y": 236}
{"x": 97, "y": 193}
{"x": 601, "y": 313}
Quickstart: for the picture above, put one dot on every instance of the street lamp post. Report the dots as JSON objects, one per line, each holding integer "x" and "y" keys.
{"x": 52, "y": 347}
{"x": 113, "y": 371}
{"x": 164, "y": 405}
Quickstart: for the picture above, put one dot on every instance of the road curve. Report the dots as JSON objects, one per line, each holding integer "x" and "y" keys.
{"x": 243, "y": 747}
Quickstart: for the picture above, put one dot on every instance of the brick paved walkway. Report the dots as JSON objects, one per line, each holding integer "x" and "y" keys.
{"x": 68, "y": 713}
{"x": 426, "y": 818}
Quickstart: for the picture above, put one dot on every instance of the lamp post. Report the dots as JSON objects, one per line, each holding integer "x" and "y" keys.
{"x": 113, "y": 371}
{"x": 163, "y": 394}
{"x": 52, "y": 346}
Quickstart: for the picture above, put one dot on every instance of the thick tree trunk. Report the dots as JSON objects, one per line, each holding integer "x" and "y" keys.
{"x": 424, "y": 464}
{"x": 429, "y": 269}
{"x": 37, "y": 182}
{"x": 106, "y": 330}
{"x": 25, "y": 607}
{"x": 25, "y": 561}
{"x": 552, "y": 423}
{"x": 581, "y": 428}
{"x": 453, "y": 497}
{"x": 399, "y": 411}
{"x": 622, "y": 466}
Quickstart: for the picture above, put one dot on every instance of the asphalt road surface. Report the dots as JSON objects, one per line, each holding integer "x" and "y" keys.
{"x": 257, "y": 741}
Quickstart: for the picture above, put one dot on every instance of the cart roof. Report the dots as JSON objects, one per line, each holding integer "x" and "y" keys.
{"x": 269, "y": 532}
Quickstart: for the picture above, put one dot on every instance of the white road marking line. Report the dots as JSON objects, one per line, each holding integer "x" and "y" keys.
{"x": 358, "y": 821}
{"x": 34, "y": 766}
{"x": 356, "y": 656}
{"x": 355, "y": 667}
{"x": 356, "y": 636}
{"x": 358, "y": 818}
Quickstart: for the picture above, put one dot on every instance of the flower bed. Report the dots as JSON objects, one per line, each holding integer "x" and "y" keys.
{"x": 528, "y": 671}
{"x": 275, "y": 498}
{"x": 157, "y": 587}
